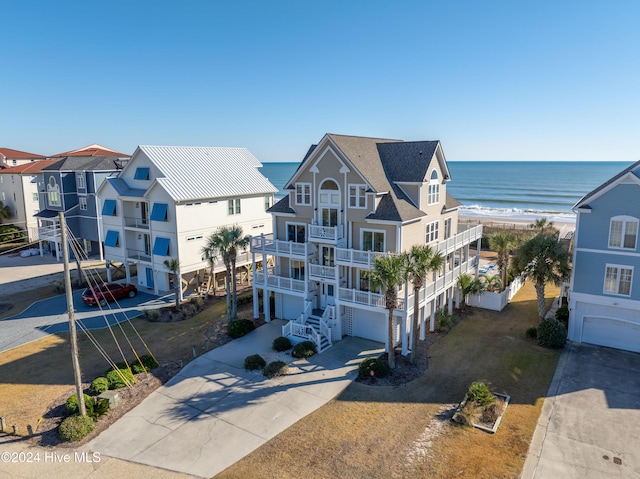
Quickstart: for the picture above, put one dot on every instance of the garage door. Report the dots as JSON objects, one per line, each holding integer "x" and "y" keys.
{"x": 611, "y": 332}
{"x": 369, "y": 325}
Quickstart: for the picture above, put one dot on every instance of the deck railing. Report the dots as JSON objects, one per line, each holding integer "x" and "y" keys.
{"x": 326, "y": 233}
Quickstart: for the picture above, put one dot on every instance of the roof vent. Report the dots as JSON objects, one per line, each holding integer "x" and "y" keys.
{"x": 421, "y": 152}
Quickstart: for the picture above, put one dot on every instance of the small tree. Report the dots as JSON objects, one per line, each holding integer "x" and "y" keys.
{"x": 173, "y": 265}
{"x": 502, "y": 243}
{"x": 5, "y": 211}
{"x": 542, "y": 225}
{"x": 470, "y": 285}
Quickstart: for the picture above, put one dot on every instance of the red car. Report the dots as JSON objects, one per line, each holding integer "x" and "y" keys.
{"x": 108, "y": 292}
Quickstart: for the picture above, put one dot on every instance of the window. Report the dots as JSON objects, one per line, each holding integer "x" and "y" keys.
{"x": 54, "y": 198}
{"x": 447, "y": 228}
{"x": 234, "y": 207}
{"x": 161, "y": 246}
{"x": 364, "y": 280}
{"x": 617, "y": 279}
{"x": 194, "y": 238}
{"x": 297, "y": 269}
{"x": 109, "y": 208}
{"x": 433, "y": 189}
{"x": 303, "y": 194}
{"x": 80, "y": 181}
{"x": 357, "y": 196}
{"x": 431, "y": 232}
{"x": 296, "y": 232}
{"x": 35, "y": 197}
{"x": 141, "y": 174}
{"x": 83, "y": 203}
{"x": 159, "y": 212}
{"x": 267, "y": 202}
{"x": 623, "y": 232}
{"x": 112, "y": 239}
{"x": 373, "y": 241}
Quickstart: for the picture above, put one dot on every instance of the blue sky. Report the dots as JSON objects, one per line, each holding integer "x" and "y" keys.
{"x": 493, "y": 80}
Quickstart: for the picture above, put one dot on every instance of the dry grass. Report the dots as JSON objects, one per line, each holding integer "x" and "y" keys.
{"x": 380, "y": 432}
{"x": 35, "y": 374}
{"x": 20, "y": 301}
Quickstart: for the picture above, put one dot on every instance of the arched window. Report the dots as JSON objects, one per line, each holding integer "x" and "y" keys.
{"x": 329, "y": 203}
{"x": 623, "y": 232}
{"x": 434, "y": 189}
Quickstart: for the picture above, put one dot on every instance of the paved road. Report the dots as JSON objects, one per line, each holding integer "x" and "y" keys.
{"x": 590, "y": 422}
{"x": 49, "y": 316}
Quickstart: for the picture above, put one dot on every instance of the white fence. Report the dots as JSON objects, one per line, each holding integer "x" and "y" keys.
{"x": 496, "y": 301}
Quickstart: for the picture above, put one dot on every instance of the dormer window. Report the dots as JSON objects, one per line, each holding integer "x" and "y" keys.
{"x": 141, "y": 174}
{"x": 433, "y": 189}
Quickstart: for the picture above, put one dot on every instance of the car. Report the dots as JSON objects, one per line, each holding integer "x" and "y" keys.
{"x": 108, "y": 292}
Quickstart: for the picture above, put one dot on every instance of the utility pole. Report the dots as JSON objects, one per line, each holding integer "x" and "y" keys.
{"x": 72, "y": 317}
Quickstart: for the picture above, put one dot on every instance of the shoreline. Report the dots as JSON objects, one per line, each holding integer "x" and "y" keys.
{"x": 566, "y": 227}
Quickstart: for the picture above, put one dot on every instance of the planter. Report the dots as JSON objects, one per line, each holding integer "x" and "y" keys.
{"x": 476, "y": 416}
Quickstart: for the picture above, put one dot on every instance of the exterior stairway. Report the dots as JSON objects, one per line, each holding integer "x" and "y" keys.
{"x": 309, "y": 329}
{"x": 314, "y": 321}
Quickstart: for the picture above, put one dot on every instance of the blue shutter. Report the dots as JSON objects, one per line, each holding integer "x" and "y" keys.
{"x": 161, "y": 246}
{"x": 109, "y": 208}
{"x": 141, "y": 174}
{"x": 112, "y": 239}
{"x": 159, "y": 212}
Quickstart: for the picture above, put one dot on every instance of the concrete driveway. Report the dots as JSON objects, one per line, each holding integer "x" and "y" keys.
{"x": 214, "y": 412}
{"x": 590, "y": 422}
{"x": 49, "y": 316}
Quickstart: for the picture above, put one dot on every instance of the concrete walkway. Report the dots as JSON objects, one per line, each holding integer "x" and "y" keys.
{"x": 589, "y": 427}
{"x": 214, "y": 412}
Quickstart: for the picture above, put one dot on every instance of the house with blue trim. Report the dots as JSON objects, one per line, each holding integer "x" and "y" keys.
{"x": 165, "y": 203}
{"x": 604, "y": 299}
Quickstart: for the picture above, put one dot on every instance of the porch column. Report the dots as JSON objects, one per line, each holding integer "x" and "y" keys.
{"x": 178, "y": 277}
{"x": 457, "y": 292}
{"x": 108, "y": 267}
{"x": 266, "y": 304}
{"x": 450, "y": 295}
{"x": 422, "y": 322}
{"x": 432, "y": 318}
{"x": 256, "y": 301}
{"x": 478, "y": 251}
{"x": 127, "y": 271}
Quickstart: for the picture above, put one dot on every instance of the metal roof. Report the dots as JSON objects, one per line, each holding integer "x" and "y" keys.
{"x": 194, "y": 172}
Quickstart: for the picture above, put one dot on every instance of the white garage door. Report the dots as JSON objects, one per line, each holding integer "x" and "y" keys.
{"x": 612, "y": 333}
{"x": 369, "y": 325}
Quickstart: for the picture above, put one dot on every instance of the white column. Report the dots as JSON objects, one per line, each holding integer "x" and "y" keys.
{"x": 432, "y": 317}
{"x": 108, "y": 267}
{"x": 127, "y": 271}
{"x": 266, "y": 304}
{"x": 450, "y": 302}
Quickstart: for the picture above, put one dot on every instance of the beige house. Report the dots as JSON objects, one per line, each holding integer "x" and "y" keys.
{"x": 351, "y": 199}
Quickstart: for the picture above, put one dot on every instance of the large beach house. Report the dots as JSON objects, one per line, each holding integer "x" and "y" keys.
{"x": 168, "y": 200}
{"x": 350, "y": 200}
{"x": 604, "y": 300}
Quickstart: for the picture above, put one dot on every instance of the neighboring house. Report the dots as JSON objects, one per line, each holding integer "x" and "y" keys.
{"x": 10, "y": 157}
{"x": 604, "y": 299}
{"x": 168, "y": 200}
{"x": 19, "y": 190}
{"x": 350, "y": 200}
{"x": 70, "y": 185}
{"x": 91, "y": 150}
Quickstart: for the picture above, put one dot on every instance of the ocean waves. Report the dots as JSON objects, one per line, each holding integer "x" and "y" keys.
{"x": 515, "y": 214}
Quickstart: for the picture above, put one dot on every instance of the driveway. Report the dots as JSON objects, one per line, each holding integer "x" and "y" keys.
{"x": 49, "y": 316}
{"x": 213, "y": 412}
{"x": 590, "y": 422}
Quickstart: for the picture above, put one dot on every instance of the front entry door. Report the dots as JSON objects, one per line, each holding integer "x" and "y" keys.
{"x": 150, "y": 283}
{"x": 328, "y": 295}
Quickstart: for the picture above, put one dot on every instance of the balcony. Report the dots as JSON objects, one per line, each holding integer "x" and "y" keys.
{"x": 323, "y": 273}
{"x": 138, "y": 223}
{"x": 137, "y": 255}
{"x": 458, "y": 241}
{"x": 49, "y": 233}
{"x": 282, "y": 284}
{"x": 326, "y": 234}
{"x": 265, "y": 244}
{"x": 367, "y": 298}
{"x": 356, "y": 258}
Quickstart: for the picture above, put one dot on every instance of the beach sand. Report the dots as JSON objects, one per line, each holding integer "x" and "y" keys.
{"x": 567, "y": 228}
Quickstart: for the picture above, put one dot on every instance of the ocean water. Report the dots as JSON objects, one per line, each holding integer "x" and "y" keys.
{"x": 516, "y": 190}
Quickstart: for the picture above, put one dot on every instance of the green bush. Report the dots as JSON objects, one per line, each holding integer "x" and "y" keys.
{"x": 99, "y": 385}
{"x": 119, "y": 378}
{"x": 562, "y": 315}
{"x": 444, "y": 319}
{"x": 479, "y": 393}
{"x": 253, "y": 362}
{"x": 100, "y": 407}
{"x": 281, "y": 344}
{"x": 197, "y": 303}
{"x": 531, "y": 332}
{"x": 239, "y": 327}
{"x": 72, "y": 403}
{"x": 75, "y": 428}
{"x": 275, "y": 368}
{"x": 305, "y": 349}
{"x": 148, "y": 361}
{"x": 552, "y": 334}
{"x": 377, "y": 366}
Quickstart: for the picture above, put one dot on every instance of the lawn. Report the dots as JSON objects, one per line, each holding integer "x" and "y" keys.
{"x": 380, "y": 432}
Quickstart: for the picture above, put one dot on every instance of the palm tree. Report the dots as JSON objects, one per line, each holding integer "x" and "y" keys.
{"x": 225, "y": 242}
{"x": 470, "y": 285}
{"x": 493, "y": 283}
{"x": 502, "y": 243}
{"x": 5, "y": 211}
{"x": 388, "y": 273}
{"x": 543, "y": 225}
{"x": 421, "y": 260}
{"x": 173, "y": 265}
{"x": 542, "y": 259}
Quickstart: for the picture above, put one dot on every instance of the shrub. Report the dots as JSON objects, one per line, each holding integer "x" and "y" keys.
{"x": 151, "y": 315}
{"x": 531, "y": 332}
{"x": 305, "y": 349}
{"x": 562, "y": 315}
{"x": 197, "y": 303}
{"x": 253, "y": 362}
{"x": 444, "y": 319}
{"x": 275, "y": 368}
{"x": 119, "y": 378}
{"x": 377, "y": 366}
{"x": 479, "y": 393}
{"x": 281, "y": 344}
{"x": 100, "y": 407}
{"x": 239, "y": 327}
{"x": 552, "y": 334}
{"x": 72, "y": 403}
{"x": 75, "y": 428}
{"x": 99, "y": 385}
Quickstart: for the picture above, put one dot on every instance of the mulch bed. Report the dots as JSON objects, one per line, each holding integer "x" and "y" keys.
{"x": 4, "y": 307}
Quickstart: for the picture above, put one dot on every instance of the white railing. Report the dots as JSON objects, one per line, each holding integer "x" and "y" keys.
{"x": 367, "y": 298}
{"x": 349, "y": 257}
{"x": 326, "y": 233}
{"x": 280, "y": 282}
{"x": 302, "y": 319}
{"x": 459, "y": 240}
{"x": 139, "y": 255}
{"x": 268, "y": 245}
{"x": 324, "y": 325}
{"x": 133, "y": 222}
{"x": 48, "y": 232}
{"x": 317, "y": 271}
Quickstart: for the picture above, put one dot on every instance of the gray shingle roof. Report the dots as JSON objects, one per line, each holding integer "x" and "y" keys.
{"x": 87, "y": 163}
{"x": 282, "y": 206}
{"x": 407, "y": 161}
